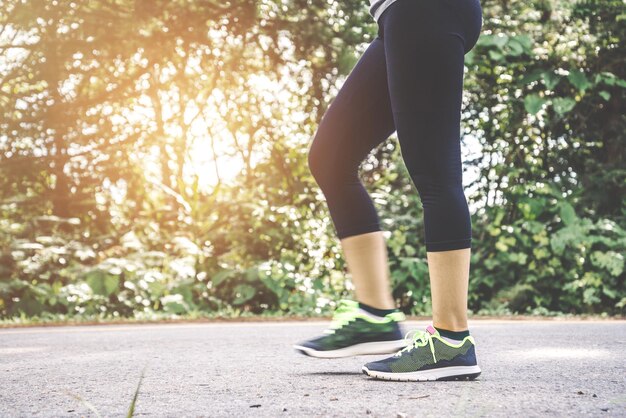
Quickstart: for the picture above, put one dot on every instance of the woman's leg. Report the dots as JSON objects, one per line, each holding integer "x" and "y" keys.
{"x": 425, "y": 43}
{"x": 366, "y": 255}
{"x": 449, "y": 274}
{"x": 358, "y": 120}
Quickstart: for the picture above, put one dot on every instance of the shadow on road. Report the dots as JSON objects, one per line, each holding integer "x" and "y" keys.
{"x": 333, "y": 373}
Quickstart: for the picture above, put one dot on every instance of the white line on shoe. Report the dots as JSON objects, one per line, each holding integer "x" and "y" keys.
{"x": 425, "y": 375}
{"x": 378, "y": 347}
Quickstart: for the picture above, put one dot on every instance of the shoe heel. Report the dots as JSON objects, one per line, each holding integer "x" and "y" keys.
{"x": 469, "y": 376}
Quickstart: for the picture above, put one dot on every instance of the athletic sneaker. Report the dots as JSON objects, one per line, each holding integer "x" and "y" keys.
{"x": 429, "y": 357}
{"x": 354, "y": 331}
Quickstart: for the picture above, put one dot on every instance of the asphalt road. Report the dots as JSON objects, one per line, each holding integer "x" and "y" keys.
{"x": 536, "y": 368}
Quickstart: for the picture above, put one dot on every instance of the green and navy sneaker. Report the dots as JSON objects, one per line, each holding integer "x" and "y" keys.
{"x": 429, "y": 357}
{"x": 354, "y": 331}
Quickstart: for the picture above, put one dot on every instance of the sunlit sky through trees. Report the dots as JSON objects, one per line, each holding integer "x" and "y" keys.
{"x": 210, "y": 153}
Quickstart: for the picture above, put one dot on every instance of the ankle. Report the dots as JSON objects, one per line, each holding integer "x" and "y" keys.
{"x": 376, "y": 311}
{"x": 451, "y": 323}
{"x": 453, "y": 335}
{"x": 375, "y": 301}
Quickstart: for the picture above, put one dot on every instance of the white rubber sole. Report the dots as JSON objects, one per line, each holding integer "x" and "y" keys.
{"x": 382, "y": 347}
{"x": 443, "y": 373}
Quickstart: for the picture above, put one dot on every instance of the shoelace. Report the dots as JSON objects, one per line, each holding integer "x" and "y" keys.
{"x": 342, "y": 315}
{"x": 420, "y": 339}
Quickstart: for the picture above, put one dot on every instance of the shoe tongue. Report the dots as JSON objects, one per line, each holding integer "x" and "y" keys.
{"x": 431, "y": 330}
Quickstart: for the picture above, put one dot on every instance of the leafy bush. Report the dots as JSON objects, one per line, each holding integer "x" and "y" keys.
{"x": 103, "y": 215}
{"x": 549, "y": 258}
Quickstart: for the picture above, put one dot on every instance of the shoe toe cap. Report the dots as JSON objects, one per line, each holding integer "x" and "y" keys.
{"x": 312, "y": 344}
{"x": 378, "y": 366}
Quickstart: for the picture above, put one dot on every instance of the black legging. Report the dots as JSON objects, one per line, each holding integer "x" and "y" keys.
{"x": 409, "y": 80}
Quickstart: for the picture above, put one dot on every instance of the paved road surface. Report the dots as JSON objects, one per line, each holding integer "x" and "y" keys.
{"x": 538, "y": 368}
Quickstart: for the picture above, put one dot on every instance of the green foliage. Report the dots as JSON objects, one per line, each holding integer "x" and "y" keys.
{"x": 107, "y": 211}
{"x": 549, "y": 258}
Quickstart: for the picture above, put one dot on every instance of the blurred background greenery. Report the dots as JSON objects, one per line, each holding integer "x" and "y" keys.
{"x": 153, "y": 159}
